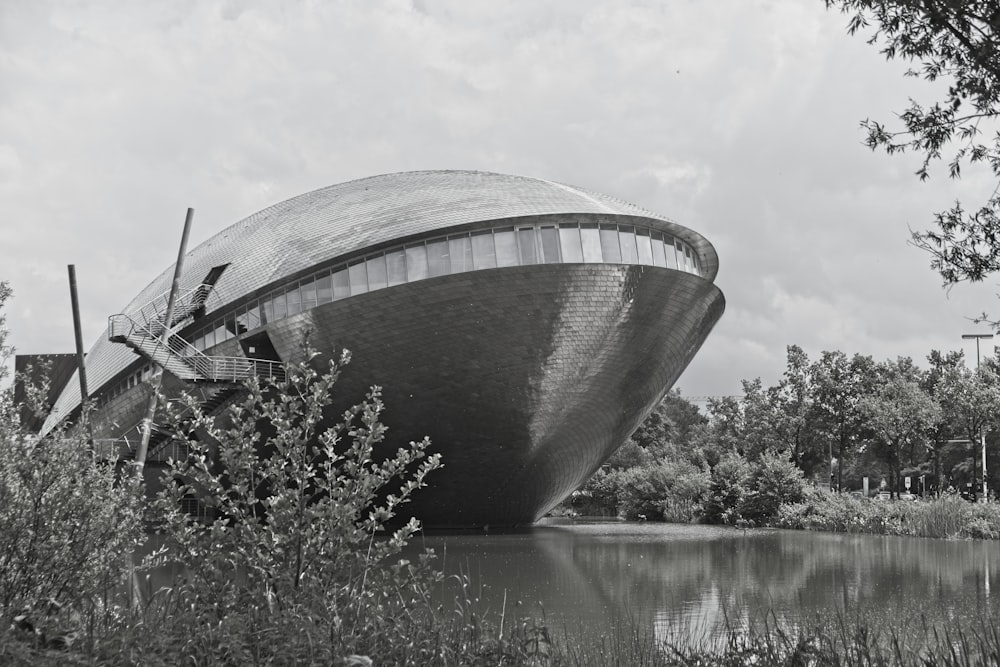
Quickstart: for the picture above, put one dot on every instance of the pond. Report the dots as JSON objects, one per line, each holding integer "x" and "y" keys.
{"x": 690, "y": 581}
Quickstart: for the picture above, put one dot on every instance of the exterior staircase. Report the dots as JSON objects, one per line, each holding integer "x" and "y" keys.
{"x": 149, "y": 335}
{"x": 147, "y": 332}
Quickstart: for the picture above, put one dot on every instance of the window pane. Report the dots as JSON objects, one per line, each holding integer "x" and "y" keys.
{"x": 591, "y": 239}
{"x": 569, "y": 242}
{"x": 241, "y": 323}
{"x": 416, "y": 263}
{"x": 506, "y": 245}
{"x": 626, "y": 237}
{"x": 324, "y": 289}
{"x": 280, "y": 311}
{"x": 659, "y": 259}
{"x": 461, "y": 254}
{"x": 437, "y": 258}
{"x": 341, "y": 284}
{"x": 267, "y": 312}
{"x": 609, "y": 244}
{"x": 308, "y": 289}
{"x": 644, "y": 247}
{"x": 359, "y": 278}
{"x": 376, "y": 272}
{"x": 550, "y": 245}
{"x": 395, "y": 266}
{"x": 220, "y": 333}
{"x": 526, "y": 241}
{"x": 483, "y": 253}
{"x": 294, "y": 300}
{"x": 668, "y": 249}
{"x": 253, "y": 316}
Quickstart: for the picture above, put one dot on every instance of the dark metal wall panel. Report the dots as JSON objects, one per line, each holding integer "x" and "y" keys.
{"x": 525, "y": 378}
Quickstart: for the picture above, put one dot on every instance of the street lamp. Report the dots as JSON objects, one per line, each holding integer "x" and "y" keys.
{"x": 977, "y": 337}
{"x": 982, "y": 435}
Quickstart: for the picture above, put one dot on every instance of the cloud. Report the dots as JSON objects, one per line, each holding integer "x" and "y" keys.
{"x": 738, "y": 118}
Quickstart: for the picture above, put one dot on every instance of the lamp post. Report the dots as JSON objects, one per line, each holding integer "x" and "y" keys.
{"x": 977, "y": 337}
{"x": 982, "y": 435}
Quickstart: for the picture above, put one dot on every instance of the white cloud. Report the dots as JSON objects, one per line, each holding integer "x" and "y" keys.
{"x": 737, "y": 118}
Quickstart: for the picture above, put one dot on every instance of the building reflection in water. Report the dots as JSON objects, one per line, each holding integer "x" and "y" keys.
{"x": 691, "y": 581}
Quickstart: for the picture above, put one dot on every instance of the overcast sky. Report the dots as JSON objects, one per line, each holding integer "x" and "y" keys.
{"x": 737, "y": 118}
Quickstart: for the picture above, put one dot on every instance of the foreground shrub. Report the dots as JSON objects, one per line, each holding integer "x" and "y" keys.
{"x": 67, "y": 528}
{"x": 298, "y": 565}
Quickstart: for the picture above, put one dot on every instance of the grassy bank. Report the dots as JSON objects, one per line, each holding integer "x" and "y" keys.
{"x": 462, "y": 635}
{"x": 946, "y": 517}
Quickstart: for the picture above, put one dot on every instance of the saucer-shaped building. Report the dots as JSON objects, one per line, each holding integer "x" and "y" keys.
{"x": 527, "y": 327}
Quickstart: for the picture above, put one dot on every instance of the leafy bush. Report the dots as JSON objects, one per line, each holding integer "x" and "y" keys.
{"x": 728, "y": 487}
{"x": 601, "y": 494}
{"x": 67, "y": 528}
{"x": 774, "y": 481}
{"x": 298, "y": 565}
{"x": 946, "y": 517}
{"x": 670, "y": 491}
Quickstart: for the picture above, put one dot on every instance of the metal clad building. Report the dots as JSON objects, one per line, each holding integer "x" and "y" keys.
{"x": 526, "y": 326}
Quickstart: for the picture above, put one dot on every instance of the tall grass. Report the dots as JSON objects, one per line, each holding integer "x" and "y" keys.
{"x": 946, "y": 517}
{"x": 840, "y": 643}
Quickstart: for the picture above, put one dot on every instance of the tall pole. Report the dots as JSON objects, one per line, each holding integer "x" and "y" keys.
{"x": 81, "y": 366}
{"x": 77, "y": 332}
{"x": 155, "y": 381}
{"x": 982, "y": 434}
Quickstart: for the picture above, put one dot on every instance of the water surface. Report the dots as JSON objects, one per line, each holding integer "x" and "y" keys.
{"x": 671, "y": 579}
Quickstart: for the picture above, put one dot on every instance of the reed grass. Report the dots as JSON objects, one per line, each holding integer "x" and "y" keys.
{"x": 948, "y": 517}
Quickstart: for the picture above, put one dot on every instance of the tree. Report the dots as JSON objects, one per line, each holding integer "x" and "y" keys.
{"x": 838, "y": 385}
{"x": 900, "y": 413}
{"x": 959, "y": 41}
{"x": 971, "y": 401}
{"x": 941, "y": 366}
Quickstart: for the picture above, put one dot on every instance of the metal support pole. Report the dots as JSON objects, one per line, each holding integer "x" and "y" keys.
{"x": 982, "y": 435}
{"x": 77, "y": 332}
{"x": 983, "y": 438}
{"x": 147, "y": 420}
{"x": 81, "y": 366}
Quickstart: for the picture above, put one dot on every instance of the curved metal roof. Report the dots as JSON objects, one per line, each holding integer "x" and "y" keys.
{"x": 344, "y": 219}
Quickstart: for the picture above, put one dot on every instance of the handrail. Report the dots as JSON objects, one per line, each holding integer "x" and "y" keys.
{"x": 122, "y": 327}
{"x": 187, "y": 302}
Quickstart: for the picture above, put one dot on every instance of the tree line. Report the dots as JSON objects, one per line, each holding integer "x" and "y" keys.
{"x": 828, "y": 422}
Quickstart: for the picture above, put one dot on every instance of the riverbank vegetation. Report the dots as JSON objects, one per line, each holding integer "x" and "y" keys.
{"x": 795, "y": 454}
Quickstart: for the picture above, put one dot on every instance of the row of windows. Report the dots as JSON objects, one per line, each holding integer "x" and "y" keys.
{"x": 486, "y": 249}
{"x": 125, "y": 384}
{"x": 490, "y": 248}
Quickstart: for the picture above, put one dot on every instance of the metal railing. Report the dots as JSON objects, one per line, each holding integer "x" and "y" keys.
{"x": 185, "y": 360}
{"x": 188, "y": 301}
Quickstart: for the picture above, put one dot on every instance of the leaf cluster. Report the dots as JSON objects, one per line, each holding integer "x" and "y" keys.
{"x": 957, "y": 41}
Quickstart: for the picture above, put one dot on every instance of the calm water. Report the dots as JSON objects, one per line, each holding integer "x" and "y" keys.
{"x": 677, "y": 580}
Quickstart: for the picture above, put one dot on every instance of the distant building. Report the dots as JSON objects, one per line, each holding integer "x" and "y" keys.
{"x": 526, "y": 326}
